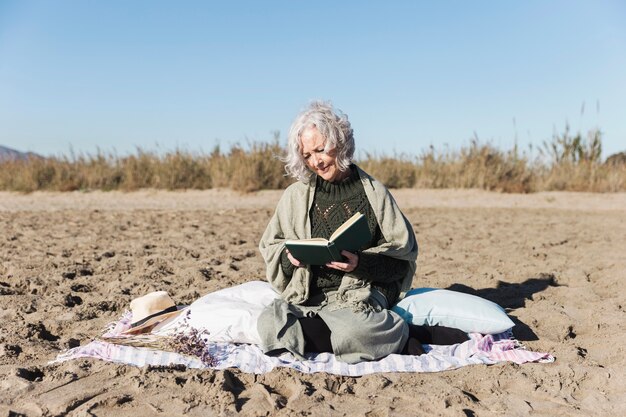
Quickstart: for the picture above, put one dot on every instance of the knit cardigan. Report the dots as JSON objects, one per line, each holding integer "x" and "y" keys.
{"x": 291, "y": 221}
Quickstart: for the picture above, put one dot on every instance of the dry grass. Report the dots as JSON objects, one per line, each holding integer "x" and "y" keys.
{"x": 241, "y": 169}
{"x": 567, "y": 162}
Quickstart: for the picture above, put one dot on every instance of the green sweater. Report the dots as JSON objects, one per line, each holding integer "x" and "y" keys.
{"x": 333, "y": 204}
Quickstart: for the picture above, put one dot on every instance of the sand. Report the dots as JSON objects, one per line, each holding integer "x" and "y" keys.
{"x": 71, "y": 263}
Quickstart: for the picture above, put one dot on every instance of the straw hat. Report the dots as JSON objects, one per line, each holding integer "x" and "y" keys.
{"x": 150, "y": 310}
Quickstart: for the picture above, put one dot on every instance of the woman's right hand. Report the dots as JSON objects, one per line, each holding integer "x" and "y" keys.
{"x": 293, "y": 260}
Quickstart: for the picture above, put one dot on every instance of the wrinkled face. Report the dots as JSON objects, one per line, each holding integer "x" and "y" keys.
{"x": 319, "y": 161}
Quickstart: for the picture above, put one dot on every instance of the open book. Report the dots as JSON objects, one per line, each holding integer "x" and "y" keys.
{"x": 350, "y": 236}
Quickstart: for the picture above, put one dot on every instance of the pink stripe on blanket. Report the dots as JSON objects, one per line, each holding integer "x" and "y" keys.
{"x": 486, "y": 349}
{"x": 507, "y": 350}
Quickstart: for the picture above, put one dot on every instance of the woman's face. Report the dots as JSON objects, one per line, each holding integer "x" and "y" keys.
{"x": 322, "y": 163}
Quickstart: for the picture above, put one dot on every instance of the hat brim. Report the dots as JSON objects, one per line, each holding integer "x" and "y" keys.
{"x": 150, "y": 323}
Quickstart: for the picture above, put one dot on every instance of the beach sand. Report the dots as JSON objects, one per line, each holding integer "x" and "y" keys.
{"x": 70, "y": 263}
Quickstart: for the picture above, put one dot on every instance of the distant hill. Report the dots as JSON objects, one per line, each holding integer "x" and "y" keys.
{"x": 12, "y": 154}
{"x": 617, "y": 159}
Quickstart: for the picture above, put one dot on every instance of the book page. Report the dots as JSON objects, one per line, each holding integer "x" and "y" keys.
{"x": 346, "y": 225}
{"x": 313, "y": 241}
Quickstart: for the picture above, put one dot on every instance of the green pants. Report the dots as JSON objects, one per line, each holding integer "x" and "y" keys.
{"x": 369, "y": 332}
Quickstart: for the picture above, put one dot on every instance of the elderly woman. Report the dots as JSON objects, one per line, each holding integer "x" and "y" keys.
{"x": 341, "y": 307}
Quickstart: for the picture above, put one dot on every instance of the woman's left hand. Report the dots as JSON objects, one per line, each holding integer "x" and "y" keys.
{"x": 353, "y": 262}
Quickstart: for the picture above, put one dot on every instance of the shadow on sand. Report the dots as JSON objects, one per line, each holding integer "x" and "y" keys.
{"x": 511, "y": 296}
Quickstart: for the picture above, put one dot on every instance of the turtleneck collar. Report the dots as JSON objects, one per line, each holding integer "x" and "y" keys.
{"x": 339, "y": 190}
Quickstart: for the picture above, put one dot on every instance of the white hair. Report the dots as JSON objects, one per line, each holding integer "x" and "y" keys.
{"x": 334, "y": 127}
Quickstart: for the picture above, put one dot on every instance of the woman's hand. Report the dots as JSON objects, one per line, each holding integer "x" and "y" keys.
{"x": 293, "y": 260}
{"x": 353, "y": 262}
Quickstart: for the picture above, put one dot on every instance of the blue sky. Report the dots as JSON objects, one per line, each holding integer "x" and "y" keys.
{"x": 193, "y": 74}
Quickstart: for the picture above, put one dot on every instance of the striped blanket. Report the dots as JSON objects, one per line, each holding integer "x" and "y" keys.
{"x": 480, "y": 349}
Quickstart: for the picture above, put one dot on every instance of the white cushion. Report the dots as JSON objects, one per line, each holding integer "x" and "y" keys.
{"x": 228, "y": 315}
{"x": 472, "y": 314}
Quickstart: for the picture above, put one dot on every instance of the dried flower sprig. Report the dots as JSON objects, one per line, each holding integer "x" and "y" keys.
{"x": 186, "y": 341}
{"x": 190, "y": 341}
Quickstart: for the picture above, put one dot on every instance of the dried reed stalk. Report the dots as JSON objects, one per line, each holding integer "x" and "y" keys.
{"x": 188, "y": 341}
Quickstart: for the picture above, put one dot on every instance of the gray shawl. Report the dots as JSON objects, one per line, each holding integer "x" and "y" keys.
{"x": 291, "y": 221}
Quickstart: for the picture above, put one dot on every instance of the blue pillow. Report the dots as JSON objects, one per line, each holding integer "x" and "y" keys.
{"x": 472, "y": 314}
